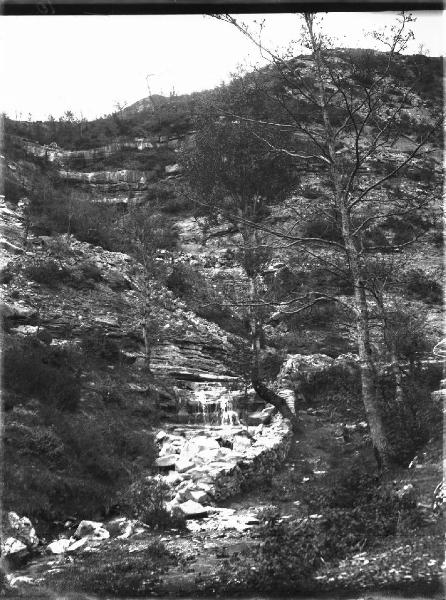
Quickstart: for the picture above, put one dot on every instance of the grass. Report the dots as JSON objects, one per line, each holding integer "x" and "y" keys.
{"x": 118, "y": 569}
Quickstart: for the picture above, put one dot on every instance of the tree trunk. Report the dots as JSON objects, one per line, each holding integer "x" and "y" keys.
{"x": 369, "y": 380}
{"x": 277, "y": 401}
{"x": 262, "y": 390}
{"x": 147, "y": 346}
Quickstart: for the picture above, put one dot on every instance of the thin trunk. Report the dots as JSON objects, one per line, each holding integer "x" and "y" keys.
{"x": 369, "y": 378}
{"x": 267, "y": 394}
{"x": 399, "y": 393}
{"x": 147, "y": 346}
{"x": 391, "y": 347}
{"x": 277, "y": 401}
{"x": 368, "y": 371}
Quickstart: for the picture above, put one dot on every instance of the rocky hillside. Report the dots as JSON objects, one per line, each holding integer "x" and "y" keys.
{"x": 72, "y": 311}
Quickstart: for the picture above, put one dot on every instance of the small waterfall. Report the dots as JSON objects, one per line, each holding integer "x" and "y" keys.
{"x": 215, "y": 406}
{"x": 228, "y": 415}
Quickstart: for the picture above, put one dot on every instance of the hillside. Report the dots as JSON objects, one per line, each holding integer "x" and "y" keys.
{"x": 86, "y": 410}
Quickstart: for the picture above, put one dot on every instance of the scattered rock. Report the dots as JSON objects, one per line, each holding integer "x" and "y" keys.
{"x": 193, "y": 510}
{"x": 184, "y": 465}
{"x": 92, "y": 529}
{"x": 167, "y": 462}
{"x": 199, "y": 496}
{"x": 78, "y": 545}
{"x": 59, "y": 546}
{"x": 23, "y": 530}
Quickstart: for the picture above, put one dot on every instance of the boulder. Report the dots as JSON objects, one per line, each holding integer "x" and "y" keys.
{"x": 167, "y": 462}
{"x": 199, "y": 444}
{"x": 261, "y": 417}
{"x": 13, "y": 546}
{"x": 14, "y": 553}
{"x": 240, "y": 442}
{"x": 78, "y": 545}
{"x": 91, "y": 529}
{"x": 173, "y": 478}
{"x": 193, "y": 510}
{"x": 121, "y": 528}
{"x": 17, "y": 311}
{"x": 183, "y": 465}
{"x": 59, "y": 546}
{"x": 160, "y": 436}
{"x": 23, "y": 530}
{"x": 199, "y": 496}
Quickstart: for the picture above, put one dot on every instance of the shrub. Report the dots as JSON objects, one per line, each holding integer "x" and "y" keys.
{"x": 13, "y": 191}
{"x": 57, "y": 464}
{"x": 181, "y": 281}
{"x": 421, "y": 287}
{"x": 34, "y": 370}
{"x": 335, "y": 384}
{"x": 322, "y": 228}
{"x": 145, "y": 500}
{"x": 412, "y": 423}
{"x": 47, "y": 272}
{"x": 97, "y": 345}
{"x": 288, "y": 555}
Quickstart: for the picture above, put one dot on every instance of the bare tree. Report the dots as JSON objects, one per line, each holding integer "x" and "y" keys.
{"x": 342, "y": 114}
{"x": 147, "y": 233}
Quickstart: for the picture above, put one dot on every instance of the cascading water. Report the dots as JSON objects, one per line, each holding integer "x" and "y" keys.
{"x": 215, "y": 407}
{"x": 228, "y": 415}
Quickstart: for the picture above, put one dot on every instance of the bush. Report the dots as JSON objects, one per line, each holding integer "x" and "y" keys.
{"x": 322, "y": 228}
{"x": 58, "y": 465}
{"x": 47, "y": 272}
{"x": 412, "y": 423}
{"x": 421, "y": 287}
{"x": 13, "y": 191}
{"x": 97, "y": 345}
{"x": 336, "y": 384}
{"x": 145, "y": 500}
{"x": 34, "y": 370}
{"x": 181, "y": 281}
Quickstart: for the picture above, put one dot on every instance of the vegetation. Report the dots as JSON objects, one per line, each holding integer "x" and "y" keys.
{"x": 117, "y": 570}
{"x": 324, "y": 218}
{"x": 337, "y": 138}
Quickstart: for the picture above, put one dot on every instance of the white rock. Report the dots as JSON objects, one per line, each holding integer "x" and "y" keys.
{"x": 75, "y": 546}
{"x": 12, "y": 545}
{"x": 173, "y": 478}
{"x": 59, "y": 546}
{"x": 193, "y": 510}
{"x": 160, "y": 436}
{"x": 92, "y": 529}
{"x": 184, "y": 465}
{"x": 23, "y": 529}
{"x": 167, "y": 461}
{"x": 197, "y": 496}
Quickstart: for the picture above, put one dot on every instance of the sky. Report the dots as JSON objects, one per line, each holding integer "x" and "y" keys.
{"x": 89, "y": 64}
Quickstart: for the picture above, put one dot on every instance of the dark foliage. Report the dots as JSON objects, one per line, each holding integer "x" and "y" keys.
{"x": 418, "y": 419}
{"x": 421, "y": 287}
{"x": 12, "y": 190}
{"x": 48, "y": 374}
{"x": 48, "y": 272}
{"x": 145, "y": 500}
